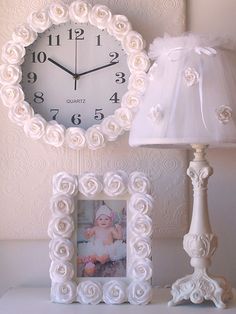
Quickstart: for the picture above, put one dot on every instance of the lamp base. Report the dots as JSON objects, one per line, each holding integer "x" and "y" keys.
{"x": 200, "y": 243}
{"x": 200, "y": 286}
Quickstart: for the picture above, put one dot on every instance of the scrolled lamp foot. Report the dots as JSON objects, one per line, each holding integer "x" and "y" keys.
{"x": 201, "y": 286}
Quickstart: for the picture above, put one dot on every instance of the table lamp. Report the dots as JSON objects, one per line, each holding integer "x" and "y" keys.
{"x": 190, "y": 101}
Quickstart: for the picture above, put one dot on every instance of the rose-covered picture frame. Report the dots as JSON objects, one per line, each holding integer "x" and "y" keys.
{"x": 100, "y": 232}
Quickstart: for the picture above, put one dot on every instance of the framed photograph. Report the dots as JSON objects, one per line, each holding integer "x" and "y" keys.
{"x": 100, "y": 232}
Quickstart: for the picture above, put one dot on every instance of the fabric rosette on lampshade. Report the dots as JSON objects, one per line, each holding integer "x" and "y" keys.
{"x": 190, "y": 97}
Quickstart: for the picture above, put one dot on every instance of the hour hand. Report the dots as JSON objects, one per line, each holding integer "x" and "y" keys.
{"x": 62, "y": 67}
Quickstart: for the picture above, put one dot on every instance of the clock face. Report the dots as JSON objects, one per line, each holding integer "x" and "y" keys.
{"x": 75, "y": 74}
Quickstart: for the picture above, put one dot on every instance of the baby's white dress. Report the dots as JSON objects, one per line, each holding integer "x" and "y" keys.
{"x": 116, "y": 250}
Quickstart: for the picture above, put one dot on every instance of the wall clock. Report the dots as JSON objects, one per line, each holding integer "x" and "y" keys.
{"x": 74, "y": 75}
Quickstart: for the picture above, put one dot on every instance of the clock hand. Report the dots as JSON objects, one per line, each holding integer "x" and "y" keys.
{"x": 95, "y": 69}
{"x": 62, "y": 67}
{"x": 76, "y": 48}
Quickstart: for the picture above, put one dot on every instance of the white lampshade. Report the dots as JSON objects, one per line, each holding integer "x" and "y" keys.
{"x": 191, "y": 94}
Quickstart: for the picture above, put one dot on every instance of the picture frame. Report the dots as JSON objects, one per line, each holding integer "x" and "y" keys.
{"x": 120, "y": 267}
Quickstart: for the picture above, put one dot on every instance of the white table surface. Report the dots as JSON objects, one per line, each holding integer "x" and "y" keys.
{"x": 36, "y": 301}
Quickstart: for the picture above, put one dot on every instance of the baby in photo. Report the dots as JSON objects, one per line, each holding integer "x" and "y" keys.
{"x": 105, "y": 241}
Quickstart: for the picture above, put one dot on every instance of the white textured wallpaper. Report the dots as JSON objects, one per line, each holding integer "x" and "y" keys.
{"x": 27, "y": 167}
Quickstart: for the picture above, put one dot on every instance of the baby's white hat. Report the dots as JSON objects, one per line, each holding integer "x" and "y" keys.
{"x": 104, "y": 210}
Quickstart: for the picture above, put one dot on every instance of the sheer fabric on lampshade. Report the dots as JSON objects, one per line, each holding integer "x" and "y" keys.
{"x": 191, "y": 93}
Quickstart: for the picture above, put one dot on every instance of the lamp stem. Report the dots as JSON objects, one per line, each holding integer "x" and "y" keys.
{"x": 199, "y": 171}
{"x": 200, "y": 243}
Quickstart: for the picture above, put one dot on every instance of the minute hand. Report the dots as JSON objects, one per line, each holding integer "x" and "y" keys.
{"x": 96, "y": 69}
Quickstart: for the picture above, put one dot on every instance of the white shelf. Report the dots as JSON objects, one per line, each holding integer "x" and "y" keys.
{"x": 36, "y": 300}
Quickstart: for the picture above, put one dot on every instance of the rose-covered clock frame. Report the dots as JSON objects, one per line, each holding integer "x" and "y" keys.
{"x": 68, "y": 191}
{"x": 34, "y": 125}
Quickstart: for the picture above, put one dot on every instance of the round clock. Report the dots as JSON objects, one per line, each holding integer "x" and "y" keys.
{"x": 74, "y": 75}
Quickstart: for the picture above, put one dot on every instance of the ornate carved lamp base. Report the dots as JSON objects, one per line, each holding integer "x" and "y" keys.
{"x": 199, "y": 287}
{"x": 200, "y": 244}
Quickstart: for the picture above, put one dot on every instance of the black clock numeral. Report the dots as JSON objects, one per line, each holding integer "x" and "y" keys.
{"x": 114, "y": 56}
{"x": 98, "y": 40}
{"x": 76, "y": 34}
{"x": 55, "y": 113}
{"x": 32, "y": 77}
{"x": 79, "y": 34}
{"x": 98, "y": 114}
{"x": 54, "y": 40}
{"x": 38, "y": 97}
{"x": 71, "y": 33}
{"x": 40, "y": 57}
{"x": 76, "y": 119}
{"x": 120, "y": 77}
{"x": 114, "y": 98}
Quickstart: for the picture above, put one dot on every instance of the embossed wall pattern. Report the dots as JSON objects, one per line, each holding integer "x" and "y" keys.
{"x": 27, "y": 167}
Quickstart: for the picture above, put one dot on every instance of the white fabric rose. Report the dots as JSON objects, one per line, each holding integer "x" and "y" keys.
{"x": 224, "y": 114}
{"x": 61, "y": 250}
{"x": 156, "y": 114}
{"x": 140, "y": 247}
{"x": 138, "y": 81}
{"x": 65, "y": 183}
{"x": 114, "y": 292}
{"x": 115, "y": 183}
{"x": 13, "y": 53}
{"x": 10, "y": 74}
{"x": 133, "y": 42}
{"x": 63, "y": 292}
{"x": 141, "y": 225}
{"x": 141, "y": 269}
{"x": 119, "y": 26}
{"x": 138, "y": 62}
{"x": 90, "y": 185}
{"x": 124, "y": 117}
{"x": 138, "y": 183}
{"x": 24, "y": 35}
{"x": 54, "y": 134}
{"x": 75, "y": 138}
{"x": 11, "y": 94}
{"x": 61, "y": 227}
{"x": 61, "y": 271}
{"x": 95, "y": 138}
{"x": 58, "y": 12}
{"x": 39, "y": 21}
{"x": 62, "y": 204}
{"x": 19, "y": 113}
{"x": 100, "y": 16}
{"x": 110, "y": 128}
{"x": 89, "y": 292}
{"x": 191, "y": 76}
{"x": 131, "y": 100}
{"x": 35, "y": 127}
{"x": 141, "y": 203}
{"x": 79, "y": 11}
{"x": 139, "y": 292}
